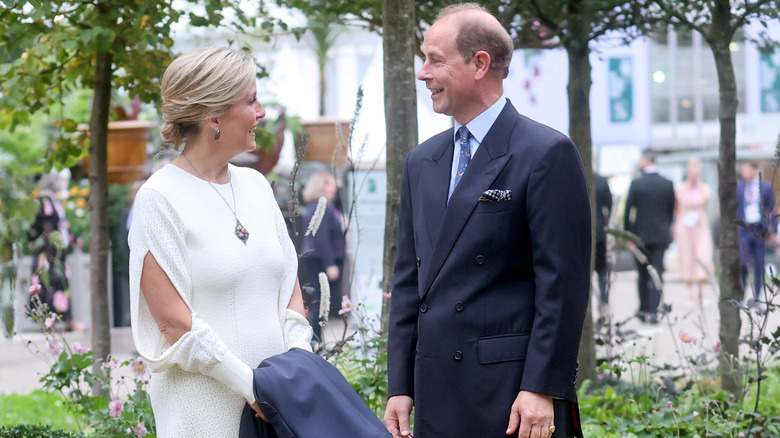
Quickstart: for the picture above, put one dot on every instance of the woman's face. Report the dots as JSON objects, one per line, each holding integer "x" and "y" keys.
{"x": 237, "y": 127}
{"x": 693, "y": 172}
{"x": 329, "y": 187}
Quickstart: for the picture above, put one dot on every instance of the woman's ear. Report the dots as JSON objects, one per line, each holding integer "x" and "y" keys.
{"x": 213, "y": 123}
{"x": 482, "y": 63}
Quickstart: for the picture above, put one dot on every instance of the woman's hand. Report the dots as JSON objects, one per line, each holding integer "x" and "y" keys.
{"x": 258, "y": 413}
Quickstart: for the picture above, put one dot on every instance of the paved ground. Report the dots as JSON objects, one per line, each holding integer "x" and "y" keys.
{"x": 20, "y": 369}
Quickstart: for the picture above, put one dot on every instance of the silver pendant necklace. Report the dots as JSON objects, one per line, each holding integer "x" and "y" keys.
{"x": 239, "y": 231}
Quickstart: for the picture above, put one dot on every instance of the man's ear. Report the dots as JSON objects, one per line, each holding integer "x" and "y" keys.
{"x": 482, "y": 63}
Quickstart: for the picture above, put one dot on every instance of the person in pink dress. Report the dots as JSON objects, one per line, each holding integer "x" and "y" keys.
{"x": 692, "y": 233}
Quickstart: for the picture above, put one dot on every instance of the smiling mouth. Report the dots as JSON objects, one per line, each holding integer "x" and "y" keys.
{"x": 436, "y": 91}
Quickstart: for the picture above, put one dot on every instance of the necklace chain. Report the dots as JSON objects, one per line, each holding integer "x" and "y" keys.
{"x": 240, "y": 231}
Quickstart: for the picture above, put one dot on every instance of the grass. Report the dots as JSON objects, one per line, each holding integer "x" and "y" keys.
{"x": 37, "y": 407}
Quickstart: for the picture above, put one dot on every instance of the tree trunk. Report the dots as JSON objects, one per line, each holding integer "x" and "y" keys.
{"x": 401, "y": 119}
{"x": 98, "y": 207}
{"x": 323, "y": 88}
{"x": 729, "y": 282}
{"x": 579, "y": 131}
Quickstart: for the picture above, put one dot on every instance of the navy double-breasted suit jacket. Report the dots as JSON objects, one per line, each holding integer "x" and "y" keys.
{"x": 489, "y": 296}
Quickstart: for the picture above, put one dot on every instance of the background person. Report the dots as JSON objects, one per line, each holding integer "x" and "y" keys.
{"x": 50, "y": 239}
{"x": 692, "y": 233}
{"x": 755, "y": 204}
{"x": 324, "y": 251}
{"x": 603, "y": 212}
{"x": 649, "y": 213}
{"x": 492, "y": 277}
{"x": 212, "y": 269}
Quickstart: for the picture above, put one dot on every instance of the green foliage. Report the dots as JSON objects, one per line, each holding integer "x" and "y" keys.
{"x": 38, "y": 407}
{"x": 35, "y": 431}
{"x": 609, "y": 412}
{"x": 49, "y": 50}
{"x": 73, "y": 376}
{"x": 365, "y": 368}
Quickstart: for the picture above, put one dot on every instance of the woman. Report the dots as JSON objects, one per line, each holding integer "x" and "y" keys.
{"x": 324, "y": 250}
{"x": 692, "y": 232}
{"x": 212, "y": 268}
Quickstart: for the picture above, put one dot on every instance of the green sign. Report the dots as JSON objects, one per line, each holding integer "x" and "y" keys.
{"x": 621, "y": 90}
{"x": 769, "y": 74}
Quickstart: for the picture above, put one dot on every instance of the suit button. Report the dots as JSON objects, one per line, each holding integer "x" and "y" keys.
{"x": 423, "y": 307}
{"x": 418, "y": 262}
{"x": 458, "y": 355}
{"x": 459, "y": 306}
{"x": 480, "y": 259}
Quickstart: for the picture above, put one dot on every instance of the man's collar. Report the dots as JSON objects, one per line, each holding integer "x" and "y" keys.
{"x": 480, "y": 125}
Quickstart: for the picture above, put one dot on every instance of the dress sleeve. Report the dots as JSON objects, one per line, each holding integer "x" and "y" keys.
{"x": 157, "y": 228}
{"x": 297, "y": 331}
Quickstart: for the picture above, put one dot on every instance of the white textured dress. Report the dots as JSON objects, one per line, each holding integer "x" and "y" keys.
{"x": 238, "y": 295}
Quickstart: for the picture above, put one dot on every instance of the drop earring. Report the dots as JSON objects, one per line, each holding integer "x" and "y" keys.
{"x": 217, "y": 133}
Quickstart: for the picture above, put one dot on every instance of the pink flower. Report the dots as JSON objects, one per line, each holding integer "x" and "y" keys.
{"x": 115, "y": 408}
{"x": 60, "y": 301}
{"x": 55, "y": 347}
{"x": 696, "y": 414}
{"x": 49, "y": 322}
{"x": 741, "y": 435}
{"x": 112, "y": 363}
{"x": 716, "y": 347}
{"x": 35, "y": 285}
{"x": 387, "y": 295}
{"x": 138, "y": 365}
{"x": 685, "y": 337}
{"x": 669, "y": 404}
{"x": 140, "y": 429}
{"x": 78, "y": 348}
{"x": 601, "y": 376}
{"x": 346, "y": 305}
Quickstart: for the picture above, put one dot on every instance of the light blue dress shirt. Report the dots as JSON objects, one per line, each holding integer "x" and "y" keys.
{"x": 478, "y": 128}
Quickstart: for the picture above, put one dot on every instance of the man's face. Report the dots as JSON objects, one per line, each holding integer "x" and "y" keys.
{"x": 451, "y": 81}
{"x": 749, "y": 172}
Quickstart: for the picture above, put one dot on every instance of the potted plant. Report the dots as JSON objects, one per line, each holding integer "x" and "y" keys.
{"x": 127, "y": 140}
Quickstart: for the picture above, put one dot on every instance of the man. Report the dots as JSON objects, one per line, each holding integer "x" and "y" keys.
{"x": 493, "y": 271}
{"x": 649, "y": 213}
{"x": 756, "y": 203}
{"x": 603, "y": 211}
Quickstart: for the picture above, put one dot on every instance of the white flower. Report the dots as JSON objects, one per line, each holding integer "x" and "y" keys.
{"x": 324, "y": 296}
{"x": 316, "y": 219}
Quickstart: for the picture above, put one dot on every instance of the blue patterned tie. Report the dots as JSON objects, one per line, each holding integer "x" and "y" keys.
{"x": 465, "y": 153}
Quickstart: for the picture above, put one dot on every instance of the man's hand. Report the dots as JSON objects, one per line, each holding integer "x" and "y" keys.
{"x": 533, "y": 413}
{"x": 399, "y": 407}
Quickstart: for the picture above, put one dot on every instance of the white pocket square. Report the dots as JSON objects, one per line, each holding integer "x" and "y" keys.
{"x": 493, "y": 195}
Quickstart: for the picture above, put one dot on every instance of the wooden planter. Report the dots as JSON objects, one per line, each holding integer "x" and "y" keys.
{"x": 327, "y": 139}
{"x": 126, "y": 151}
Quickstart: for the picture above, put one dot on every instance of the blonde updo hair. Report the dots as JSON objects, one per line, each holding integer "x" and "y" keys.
{"x": 200, "y": 85}
{"x": 315, "y": 187}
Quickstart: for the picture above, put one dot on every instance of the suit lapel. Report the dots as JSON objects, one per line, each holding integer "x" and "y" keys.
{"x": 436, "y": 176}
{"x": 490, "y": 159}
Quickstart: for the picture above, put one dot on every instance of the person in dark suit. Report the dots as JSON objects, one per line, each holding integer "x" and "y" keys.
{"x": 755, "y": 207}
{"x": 603, "y": 211}
{"x": 492, "y": 276}
{"x": 649, "y": 213}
